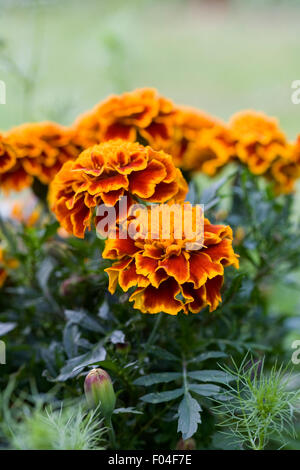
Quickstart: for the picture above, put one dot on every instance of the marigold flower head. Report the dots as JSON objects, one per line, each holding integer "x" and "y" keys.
{"x": 205, "y": 144}
{"x": 104, "y": 173}
{"x": 196, "y": 141}
{"x": 87, "y": 130}
{"x": 172, "y": 274}
{"x": 40, "y": 150}
{"x": 138, "y": 115}
{"x": 286, "y": 171}
{"x": 259, "y": 141}
{"x": 141, "y": 112}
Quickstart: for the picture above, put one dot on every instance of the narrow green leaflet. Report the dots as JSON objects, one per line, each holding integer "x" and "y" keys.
{"x": 130, "y": 409}
{"x": 188, "y": 416}
{"x": 106, "y": 364}
{"x": 211, "y": 193}
{"x": 7, "y": 327}
{"x": 163, "y": 354}
{"x": 71, "y": 338}
{"x": 84, "y": 320}
{"x": 208, "y": 355}
{"x": 75, "y": 365}
{"x": 210, "y": 376}
{"x": 235, "y": 286}
{"x": 163, "y": 377}
{"x": 161, "y": 397}
{"x": 207, "y": 390}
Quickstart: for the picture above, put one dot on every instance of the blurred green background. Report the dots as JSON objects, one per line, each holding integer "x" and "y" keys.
{"x": 59, "y": 58}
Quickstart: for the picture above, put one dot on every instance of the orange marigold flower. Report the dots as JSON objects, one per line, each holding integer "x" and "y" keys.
{"x": 106, "y": 172}
{"x": 140, "y": 115}
{"x": 259, "y": 141}
{"x": 141, "y": 112}
{"x": 172, "y": 274}
{"x": 196, "y": 141}
{"x": 87, "y": 130}
{"x": 200, "y": 142}
{"x": 285, "y": 171}
{"x": 40, "y": 150}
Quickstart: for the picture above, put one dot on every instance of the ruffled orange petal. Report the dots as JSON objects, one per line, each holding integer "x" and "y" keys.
{"x": 202, "y": 268}
{"x": 223, "y": 252}
{"x": 213, "y": 295}
{"x": 119, "y": 248}
{"x": 155, "y": 300}
{"x": 177, "y": 267}
{"x": 114, "y": 271}
{"x": 143, "y": 183}
{"x": 128, "y": 278}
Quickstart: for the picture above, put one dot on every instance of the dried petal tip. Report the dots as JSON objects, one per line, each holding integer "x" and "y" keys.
{"x": 99, "y": 391}
{"x": 188, "y": 444}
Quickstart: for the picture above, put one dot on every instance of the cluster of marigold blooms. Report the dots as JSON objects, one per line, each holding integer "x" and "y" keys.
{"x": 136, "y": 145}
{"x": 195, "y": 140}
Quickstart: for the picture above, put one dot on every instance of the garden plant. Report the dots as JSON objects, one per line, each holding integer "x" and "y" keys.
{"x": 120, "y": 338}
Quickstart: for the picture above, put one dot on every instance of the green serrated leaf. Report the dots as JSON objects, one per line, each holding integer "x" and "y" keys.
{"x": 188, "y": 416}
{"x": 163, "y": 377}
{"x": 161, "y": 397}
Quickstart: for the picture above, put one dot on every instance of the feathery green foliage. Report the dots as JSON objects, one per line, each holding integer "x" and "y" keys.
{"x": 258, "y": 406}
{"x": 68, "y": 428}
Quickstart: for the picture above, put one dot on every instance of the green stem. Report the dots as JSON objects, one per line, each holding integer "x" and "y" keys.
{"x": 112, "y": 435}
{"x": 261, "y": 441}
{"x": 184, "y": 375}
{"x": 252, "y": 443}
{"x": 154, "y": 330}
{"x": 152, "y": 336}
{"x": 154, "y": 418}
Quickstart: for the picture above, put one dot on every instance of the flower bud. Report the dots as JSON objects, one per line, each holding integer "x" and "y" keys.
{"x": 239, "y": 236}
{"x": 123, "y": 348}
{"x": 99, "y": 391}
{"x": 188, "y": 444}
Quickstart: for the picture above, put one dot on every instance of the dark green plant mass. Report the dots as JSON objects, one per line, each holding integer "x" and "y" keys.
{"x": 58, "y": 321}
